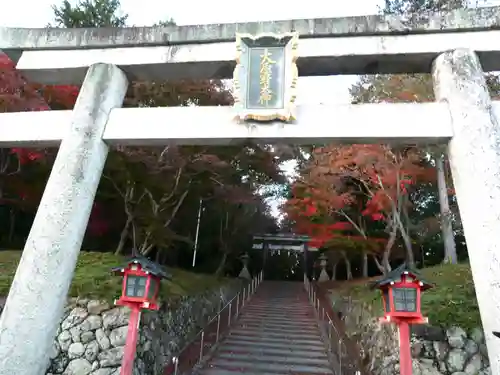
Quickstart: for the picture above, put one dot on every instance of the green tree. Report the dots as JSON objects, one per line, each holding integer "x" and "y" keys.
{"x": 418, "y": 6}
{"x": 89, "y": 13}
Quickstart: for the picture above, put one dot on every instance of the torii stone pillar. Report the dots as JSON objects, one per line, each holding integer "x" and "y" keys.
{"x": 245, "y": 274}
{"x": 39, "y": 291}
{"x": 323, "y": 276}
{"x": 474, "y": 153}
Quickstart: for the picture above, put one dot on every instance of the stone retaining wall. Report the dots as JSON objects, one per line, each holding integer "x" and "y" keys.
{"x": 91, "y": 337}
{"x": 450, "y": 352}
{"x": 435, "y": 351}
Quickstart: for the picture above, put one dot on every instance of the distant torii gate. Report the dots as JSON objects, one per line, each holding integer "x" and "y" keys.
{"x": 105, "y": 59}
{"x": 284, "y": 242}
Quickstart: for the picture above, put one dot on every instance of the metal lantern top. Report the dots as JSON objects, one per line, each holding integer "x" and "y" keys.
{"x": 146, "y": 265}
{"x": 141, "y": 282}
{"x": 401, "y": 292}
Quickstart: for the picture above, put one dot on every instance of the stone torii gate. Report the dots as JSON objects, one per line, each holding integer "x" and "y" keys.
{"x": 284, "y": 242}
{"x": 446, "y": 44}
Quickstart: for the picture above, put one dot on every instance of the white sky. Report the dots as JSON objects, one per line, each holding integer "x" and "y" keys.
{"x": 37, "y": 13}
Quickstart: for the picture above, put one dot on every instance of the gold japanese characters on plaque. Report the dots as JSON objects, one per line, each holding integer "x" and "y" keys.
{"x": 265, "y": 77}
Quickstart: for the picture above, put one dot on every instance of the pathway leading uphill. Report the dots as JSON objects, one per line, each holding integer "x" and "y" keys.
{"x": 276, "y": 334}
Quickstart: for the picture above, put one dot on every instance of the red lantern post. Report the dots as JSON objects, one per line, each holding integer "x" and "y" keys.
{"x": 140, "y": 288}
{"x": 401, "y": 291}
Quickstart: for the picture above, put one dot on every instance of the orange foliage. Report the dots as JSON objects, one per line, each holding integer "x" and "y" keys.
{"x": 17, "y": 95}
{"x": 368, "y": 181}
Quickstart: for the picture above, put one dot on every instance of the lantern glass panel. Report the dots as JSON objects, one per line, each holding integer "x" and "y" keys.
{"x": 387, "y": 302}
{"x": 405, "y": 299}
{"x": 153, "y": 286}
{"x": 136, "y": 286}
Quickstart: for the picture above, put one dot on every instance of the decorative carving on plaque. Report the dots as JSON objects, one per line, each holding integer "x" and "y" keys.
{"x": 265, "y": 77}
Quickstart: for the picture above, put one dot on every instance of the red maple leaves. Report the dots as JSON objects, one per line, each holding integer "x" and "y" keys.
{"x": 16, "y": 95}
{"x": 345, "y": 187}
{"x": 26, "y": 155}
{"x": 98, "y": 224}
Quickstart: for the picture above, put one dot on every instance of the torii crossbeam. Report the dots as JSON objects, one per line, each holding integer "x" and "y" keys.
{"x": 445, "y": 44}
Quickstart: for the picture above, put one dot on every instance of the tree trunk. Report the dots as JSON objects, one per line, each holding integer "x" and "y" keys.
{"x": 386, "y": 264}
{"x": 348, "y": 268}
{"x": 410, "y": 259}
{"x": 378, "y": 264}
{"x": 450, "y": 250}
{"x": 123, "y": 236}
{"x": 145, "y": 250}
{"x": 365, "y": 264}
{"x": 410, "y": 256}
{"x": 334, "y": 270}
{"x": 222, "y": 265}
{"x": 12, "y": 225}
{"x": 388, "y": 248}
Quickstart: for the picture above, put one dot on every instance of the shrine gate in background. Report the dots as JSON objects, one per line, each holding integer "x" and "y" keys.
{"x": 455, "y": 47}
{"x": 284, "y": 242}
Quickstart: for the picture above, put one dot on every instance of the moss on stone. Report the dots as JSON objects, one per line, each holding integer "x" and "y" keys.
{"x": 93, "y": 278}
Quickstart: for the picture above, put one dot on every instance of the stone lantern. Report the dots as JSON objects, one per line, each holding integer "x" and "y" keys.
{"x": 323, "y": 261}
{"x": 245, "y": 273}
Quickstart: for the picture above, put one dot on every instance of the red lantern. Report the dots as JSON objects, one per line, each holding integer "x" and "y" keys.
{"x": 140, "y": 288}
{"x": 141, "y": 283}
{"x": 401, "y": 292}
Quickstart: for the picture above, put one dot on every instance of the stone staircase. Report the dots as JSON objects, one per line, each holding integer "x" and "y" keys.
{"x": 276, "y": 334}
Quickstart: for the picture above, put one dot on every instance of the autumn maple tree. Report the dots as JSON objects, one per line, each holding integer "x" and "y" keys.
{"x": 346, "y": 190}
{"x": 17, "y": 95}
{"x": 377, "y": 189}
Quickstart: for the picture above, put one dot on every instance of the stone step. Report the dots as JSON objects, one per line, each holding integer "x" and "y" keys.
{"x": 221, "y": 371}
{"x": 288, "y": 350}
{"x": 280, "y": 317}
{"x": 274, "y": 340}
{"x": 277, "y": 329}
{"x": 274, "y": 358}
{"x": 303, "y": 323}
{"x": 316, "y": 346}
{"x": 284, "y": 335}
{"x": 276, "y": 334}
{"x": 269, "y": 366}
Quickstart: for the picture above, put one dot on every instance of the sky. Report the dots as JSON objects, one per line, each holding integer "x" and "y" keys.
{"x": 37, "y": 13}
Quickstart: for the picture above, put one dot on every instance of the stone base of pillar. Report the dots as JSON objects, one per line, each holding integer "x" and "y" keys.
{"x": 245, "y": 274}
{"x": 323, "y": 276}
